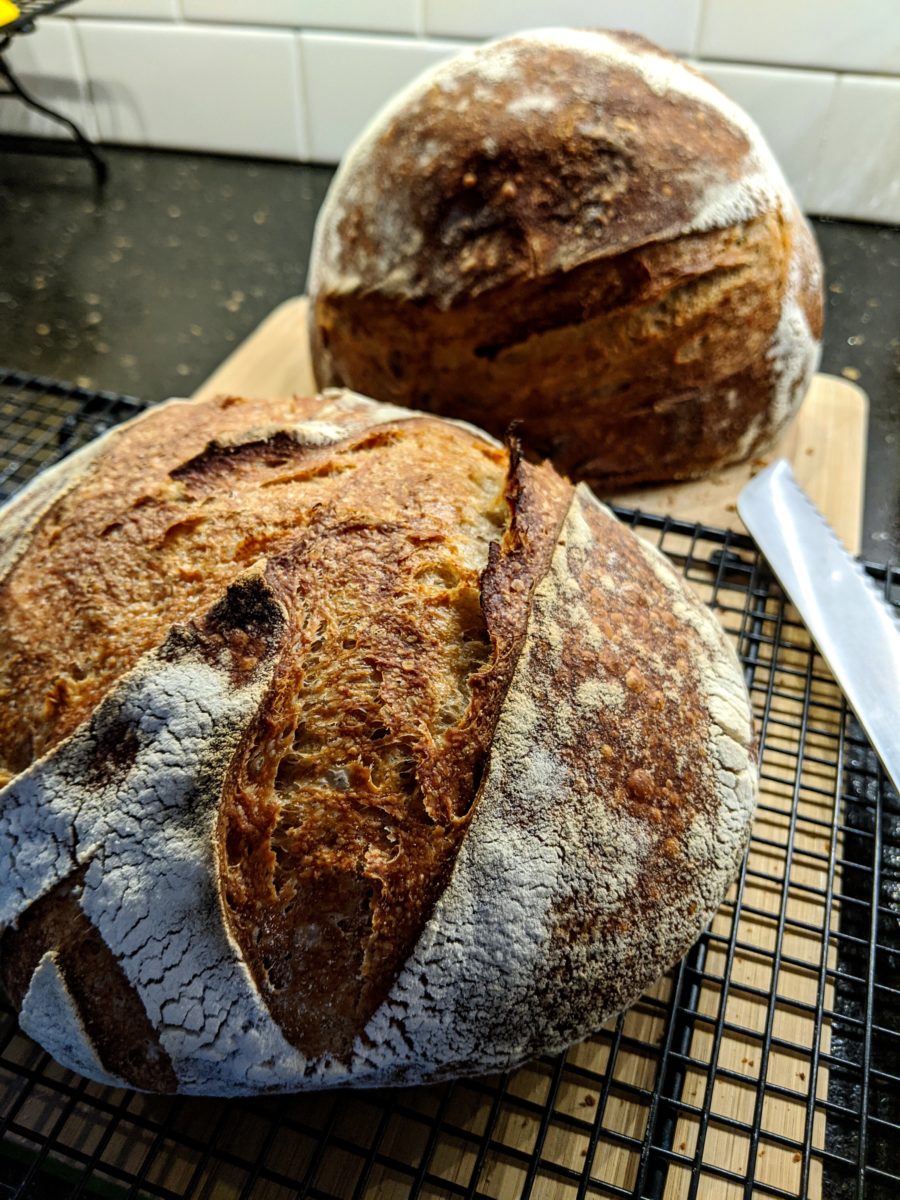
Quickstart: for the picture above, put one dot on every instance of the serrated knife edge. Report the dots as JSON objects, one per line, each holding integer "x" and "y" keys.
{"x": 854, "y": 628}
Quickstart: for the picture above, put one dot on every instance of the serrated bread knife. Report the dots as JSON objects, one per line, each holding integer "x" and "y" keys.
{"x": 854, "y": 628}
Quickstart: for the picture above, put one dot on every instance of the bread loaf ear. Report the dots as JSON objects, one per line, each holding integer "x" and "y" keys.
{"x": 612, "y": 817}
{"x": 574, "y": 229}
{"x": 445, "y": 768}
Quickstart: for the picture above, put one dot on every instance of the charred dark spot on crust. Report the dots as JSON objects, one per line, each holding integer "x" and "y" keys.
{"x": 249, "y": 607}
{"x": 114, "y": 746}
{"x": 217, "y": 456}
{"x": 239, "y": 633}
{"x": 109, "y": 1008}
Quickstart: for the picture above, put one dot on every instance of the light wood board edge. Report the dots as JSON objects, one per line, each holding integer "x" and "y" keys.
{"x": 826, "y": 447}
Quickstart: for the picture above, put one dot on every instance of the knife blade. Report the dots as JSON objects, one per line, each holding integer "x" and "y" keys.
{"x": 854, "y": 628}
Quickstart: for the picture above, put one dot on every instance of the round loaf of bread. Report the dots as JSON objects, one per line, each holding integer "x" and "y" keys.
{"x": 575, "y": 230}
{"x": 343, "y": 747}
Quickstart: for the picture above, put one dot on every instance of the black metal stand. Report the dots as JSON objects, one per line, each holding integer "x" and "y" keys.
{"x": 15, "y": 88}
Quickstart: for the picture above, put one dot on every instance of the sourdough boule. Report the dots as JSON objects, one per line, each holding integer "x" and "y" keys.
{"x": 344, "y": 747}
{"x": 576, "y": 230}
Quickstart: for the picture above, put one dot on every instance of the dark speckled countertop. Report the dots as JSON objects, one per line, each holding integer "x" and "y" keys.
{"x": 147, "y": 291}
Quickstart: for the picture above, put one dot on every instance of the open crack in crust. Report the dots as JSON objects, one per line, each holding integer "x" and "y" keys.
{"x": 613, "y": 815}
{"x": 341, "y": 826}
{"x": 109, "y": 548}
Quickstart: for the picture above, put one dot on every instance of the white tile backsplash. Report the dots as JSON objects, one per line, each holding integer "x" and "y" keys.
{"x": 672, "y": 23}
{"x": 299, "y": 79}
{"x": 387, "y": 16}
{"x": 130, "y": 10}
{"x": 790, "y": 107}
{"x": 858, "y": 169}
{"x": 848, "y": 35}
{"x": 48, "y": 65}
{"x": 348, "y": 79}
{"x": 235, "y": 91}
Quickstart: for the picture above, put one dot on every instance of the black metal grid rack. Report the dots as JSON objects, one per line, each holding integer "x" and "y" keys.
{"x": 766, "y": 1064}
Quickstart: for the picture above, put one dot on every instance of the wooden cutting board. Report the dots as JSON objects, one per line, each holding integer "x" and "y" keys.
{"x": 826, "y": 443}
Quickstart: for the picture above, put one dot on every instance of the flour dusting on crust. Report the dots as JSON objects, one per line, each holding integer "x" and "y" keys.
{"x": 474, "y": 80}
{"x": 490, "y": 981}
{"x": 145, "y": 830}
{"x": 795, "y": 350}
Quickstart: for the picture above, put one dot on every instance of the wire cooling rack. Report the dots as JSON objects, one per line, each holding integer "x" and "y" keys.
{"x": 766, "y": 1064}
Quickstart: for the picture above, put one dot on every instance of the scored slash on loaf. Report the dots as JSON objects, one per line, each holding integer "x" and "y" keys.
{"x": 574, "y": 230}
{"x": 344, "y": 747}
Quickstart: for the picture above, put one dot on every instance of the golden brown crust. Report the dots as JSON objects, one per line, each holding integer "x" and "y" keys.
{"x": 374, "y": 811}
{"x": 523, "y": 158}
{"x": 74, "y": 618}
{"x": 405, "y": 557}
{"x": 612, "y": 816}
{"x": 689, "y": 320}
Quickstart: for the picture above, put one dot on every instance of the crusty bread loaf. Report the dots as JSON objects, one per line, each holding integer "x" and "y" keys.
{"x": 345, "y": 747}
{"x": 576, "y": 230}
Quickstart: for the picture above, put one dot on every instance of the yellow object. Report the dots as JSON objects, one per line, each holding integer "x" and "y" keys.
{"x": 8, "y": 12}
